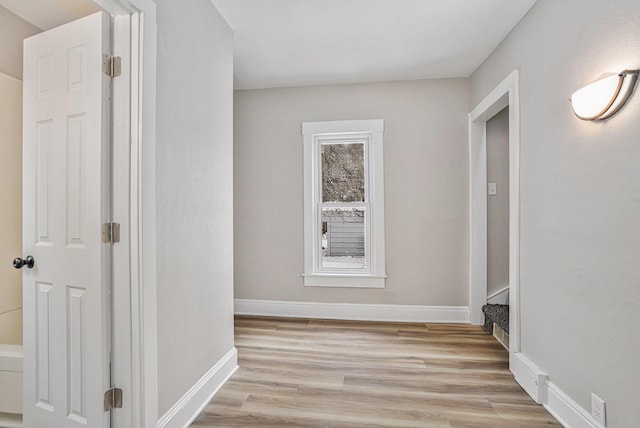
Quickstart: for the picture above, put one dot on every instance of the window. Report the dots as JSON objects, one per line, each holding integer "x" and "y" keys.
{"x": 344, "y": 204}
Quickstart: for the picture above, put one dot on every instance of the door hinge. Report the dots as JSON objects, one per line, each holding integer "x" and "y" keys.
{"x": 111, "y": 65}
{"x": 110, "y": 233}
{"x": 112, "y": 399}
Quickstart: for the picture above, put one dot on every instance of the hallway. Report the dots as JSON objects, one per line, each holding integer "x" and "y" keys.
{"x": 326, "y": 373}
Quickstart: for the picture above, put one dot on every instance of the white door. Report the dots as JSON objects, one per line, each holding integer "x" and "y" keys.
{"x": 66, "y": 199}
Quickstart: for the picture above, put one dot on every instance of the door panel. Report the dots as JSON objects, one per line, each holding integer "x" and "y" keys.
{"x": 66, "y": 199}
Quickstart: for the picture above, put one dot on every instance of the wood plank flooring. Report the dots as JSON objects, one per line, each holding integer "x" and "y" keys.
{"x": 346, "y": 374}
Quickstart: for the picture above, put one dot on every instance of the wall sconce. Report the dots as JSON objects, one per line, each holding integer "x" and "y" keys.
{"x": 605, "y": 97}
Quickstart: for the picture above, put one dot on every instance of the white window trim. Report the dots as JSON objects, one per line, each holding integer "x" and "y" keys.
{"x": 313, "y": 133}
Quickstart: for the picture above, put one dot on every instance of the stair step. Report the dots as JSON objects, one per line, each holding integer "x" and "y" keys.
{"x": 498, "y": 314}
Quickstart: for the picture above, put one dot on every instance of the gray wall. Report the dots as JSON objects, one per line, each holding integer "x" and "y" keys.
{"x": 580, "y": 230}
{"x": 426, "y": 189}
{"x": 194, "y": 194}
{"x": 13, "y": 30}
{"x": 498, "y": 205}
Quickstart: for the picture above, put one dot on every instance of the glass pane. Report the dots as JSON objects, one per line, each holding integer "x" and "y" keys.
{"x": 343, "y": 172}
{"x": 343, "y": 238}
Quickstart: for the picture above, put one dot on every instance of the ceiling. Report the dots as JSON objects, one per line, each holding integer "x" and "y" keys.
{"x": 310, "y": 42}
{"x": 47, "y": 14}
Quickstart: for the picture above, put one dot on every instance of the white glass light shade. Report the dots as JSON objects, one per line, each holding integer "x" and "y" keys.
{"x": 605, "y": 97}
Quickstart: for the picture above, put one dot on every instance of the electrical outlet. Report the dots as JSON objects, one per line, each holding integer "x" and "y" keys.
{"x": 598, "y": 410}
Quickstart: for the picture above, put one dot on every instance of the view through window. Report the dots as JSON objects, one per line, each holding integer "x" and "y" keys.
{"x": 343, "y": 215}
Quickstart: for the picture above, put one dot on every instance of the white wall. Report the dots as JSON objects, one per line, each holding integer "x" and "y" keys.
{"x": 498, "y": 205}
{"x": 10, "y": 209}
{"x": 580, "y": 190}
{"x": 194, "y": 194}
{"x": 426, "y": 189}
{"x": 13, "y": 30}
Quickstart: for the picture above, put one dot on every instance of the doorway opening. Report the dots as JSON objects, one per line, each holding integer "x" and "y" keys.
{"x": 504, "y": 97}
{"x": 24, "y": 20}
{"x": 133, "y": 347}
{"x": 496, "y": 311}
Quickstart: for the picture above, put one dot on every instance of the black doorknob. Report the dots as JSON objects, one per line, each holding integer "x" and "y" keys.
{"x": 19, "y": 262}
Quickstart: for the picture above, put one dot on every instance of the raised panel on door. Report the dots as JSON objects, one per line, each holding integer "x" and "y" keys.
{"x": 66, "y": 199}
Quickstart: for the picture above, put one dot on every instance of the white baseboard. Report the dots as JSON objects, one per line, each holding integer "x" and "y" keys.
{"x": 500, "y": 297}
{"x": 353, "y": 311}
{"x": 501, "y": 336}
{"x": 187, "y": 408}
{"x": 566, "y": 411}
{"x": 560, "y": 405}
{"x": 10, "y": 420}
{"x": 529, "y": 376}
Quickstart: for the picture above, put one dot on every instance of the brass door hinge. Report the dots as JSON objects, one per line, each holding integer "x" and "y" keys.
{"x": 112, "y": 399}
{"x": 111, "y": 65}
{"x": 110, "y": 233}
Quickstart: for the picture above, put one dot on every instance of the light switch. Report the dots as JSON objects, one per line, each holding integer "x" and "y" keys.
{"x": 492, "y": 189}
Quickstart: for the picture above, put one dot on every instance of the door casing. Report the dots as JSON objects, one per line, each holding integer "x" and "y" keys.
{"x": 506, "y": 94}
{"x": 134, "y": 353}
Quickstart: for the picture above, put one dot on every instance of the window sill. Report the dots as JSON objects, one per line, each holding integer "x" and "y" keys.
{"x": 344, "y": 280}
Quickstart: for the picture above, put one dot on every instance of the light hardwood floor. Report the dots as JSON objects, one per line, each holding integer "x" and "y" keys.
{"x": 323, "y": 373}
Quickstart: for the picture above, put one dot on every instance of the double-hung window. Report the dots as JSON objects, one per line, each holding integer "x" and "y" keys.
{"x": 344, "y": 204}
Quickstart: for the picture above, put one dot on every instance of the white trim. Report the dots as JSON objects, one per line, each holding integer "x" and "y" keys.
{"x": 507, "y": 93}
{"x": 501, "y": 336}
{"x": 355, "y": 281}
{"x": 500, "y": 297}
{"x": 353, "y": 311}
{"x": 567, "y": 411}
{"x": 143, "y": 216}
{"x": 342, "y": 126}
{"x": 135, "y": 265}
{"x": 557, "y": 402}
{"x": 9, "y": 420}
{"x": 529, "y": 376}
{"x": 497, "y": 293}
{"x": 189, "y": 406}
{"x": 371, "y": 131}
{"x": 121, "y": 361}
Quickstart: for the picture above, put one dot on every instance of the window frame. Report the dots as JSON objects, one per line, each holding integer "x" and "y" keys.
{"x": 370, "y": 132}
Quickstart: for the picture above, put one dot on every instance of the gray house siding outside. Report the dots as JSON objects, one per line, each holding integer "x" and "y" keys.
{"x": 344, "y": 233}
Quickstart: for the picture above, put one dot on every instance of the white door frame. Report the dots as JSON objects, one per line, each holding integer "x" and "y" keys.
{"x": 134, "y": 358}
{"x": 507, "y": 93}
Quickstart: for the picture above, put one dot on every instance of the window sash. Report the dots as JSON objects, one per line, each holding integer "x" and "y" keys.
{"x": 360, "y": 138}
{"x": 355, "y": 138}
{"x": 368, "y": 238}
